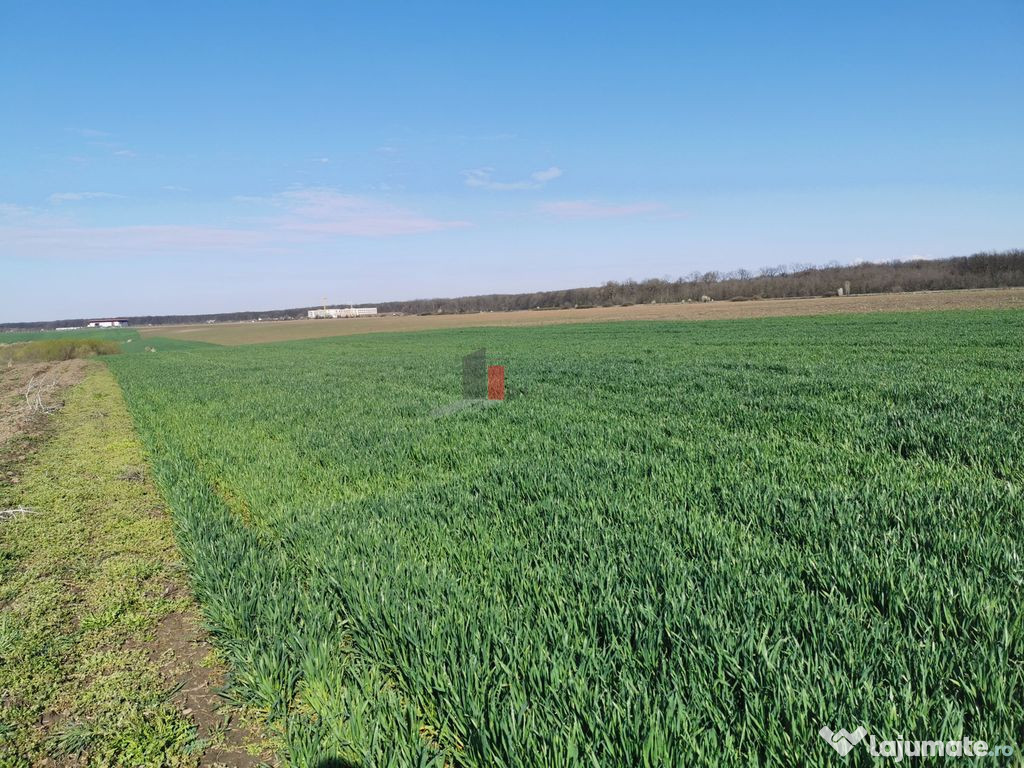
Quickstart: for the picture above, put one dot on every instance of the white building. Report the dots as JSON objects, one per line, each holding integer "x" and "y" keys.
{"x": 322, "y": 314}
{"x": 105, "y": 324}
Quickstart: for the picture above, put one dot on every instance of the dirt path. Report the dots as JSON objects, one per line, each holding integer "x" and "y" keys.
{"x": 103, "y": 660}
{"x": 291, "y": 330}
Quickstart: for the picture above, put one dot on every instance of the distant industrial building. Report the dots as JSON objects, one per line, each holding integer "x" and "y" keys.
{"x": 105, "y": 324}
{"x": 324, "y": 314}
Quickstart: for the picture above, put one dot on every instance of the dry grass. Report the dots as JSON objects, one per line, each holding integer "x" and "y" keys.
{"x": 44, "y": 350}
{"x": 16, "y": 417}
{"x": 232, "y": 334}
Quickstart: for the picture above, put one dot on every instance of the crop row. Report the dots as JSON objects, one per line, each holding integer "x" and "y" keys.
{"x": 673, "y": 544}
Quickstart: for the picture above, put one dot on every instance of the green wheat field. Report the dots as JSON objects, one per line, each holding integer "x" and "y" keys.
{"x": 673, "y": 544}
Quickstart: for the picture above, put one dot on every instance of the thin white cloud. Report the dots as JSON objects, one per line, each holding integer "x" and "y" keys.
{"x": 64, "y": 197}
{"x": 89, "y": 133}
{"x": 504, "y": 136}
{"x": 12, "y": 211}
{"x": 321, "y": 160}
{"x": 104, "y": 140}
{"x": 13, "y": 215}
{"x": 545, "y": 176}
{"x": 277, "y": 224}
{"x": 592, "y": 209}
{"x": 64, "y": 241}
{"x": 481, "y": 178}
{"x": 324, "y": 210}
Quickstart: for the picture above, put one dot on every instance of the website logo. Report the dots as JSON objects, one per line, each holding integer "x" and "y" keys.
{"x": 842, "y": 741}
{"x": 482, "y": 385}
{"x": 900, "y": 748}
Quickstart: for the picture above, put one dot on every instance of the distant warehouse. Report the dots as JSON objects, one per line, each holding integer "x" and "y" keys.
{"x": 323, "y": 314}
{"x": 110, "y": 323}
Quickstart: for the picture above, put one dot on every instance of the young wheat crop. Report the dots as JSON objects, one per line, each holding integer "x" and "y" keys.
{"x": 673, "y": 544}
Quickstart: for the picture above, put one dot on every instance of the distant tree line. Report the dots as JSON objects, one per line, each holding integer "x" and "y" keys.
{"x": 982, "y": 270}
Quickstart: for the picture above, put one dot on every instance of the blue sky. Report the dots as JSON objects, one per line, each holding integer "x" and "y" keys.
{"x": 201, "y": 157}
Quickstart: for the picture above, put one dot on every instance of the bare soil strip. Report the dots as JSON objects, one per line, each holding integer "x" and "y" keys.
{"x": 231, "y": 334}
{"x": 21, "y": 417}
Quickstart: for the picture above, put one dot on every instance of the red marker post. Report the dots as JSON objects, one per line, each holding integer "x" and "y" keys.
{"x": 496, "y": 382}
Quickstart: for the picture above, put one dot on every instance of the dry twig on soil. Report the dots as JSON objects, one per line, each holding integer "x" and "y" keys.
{"x": 6, "y": 515}
{"x": 34, "y": 393}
